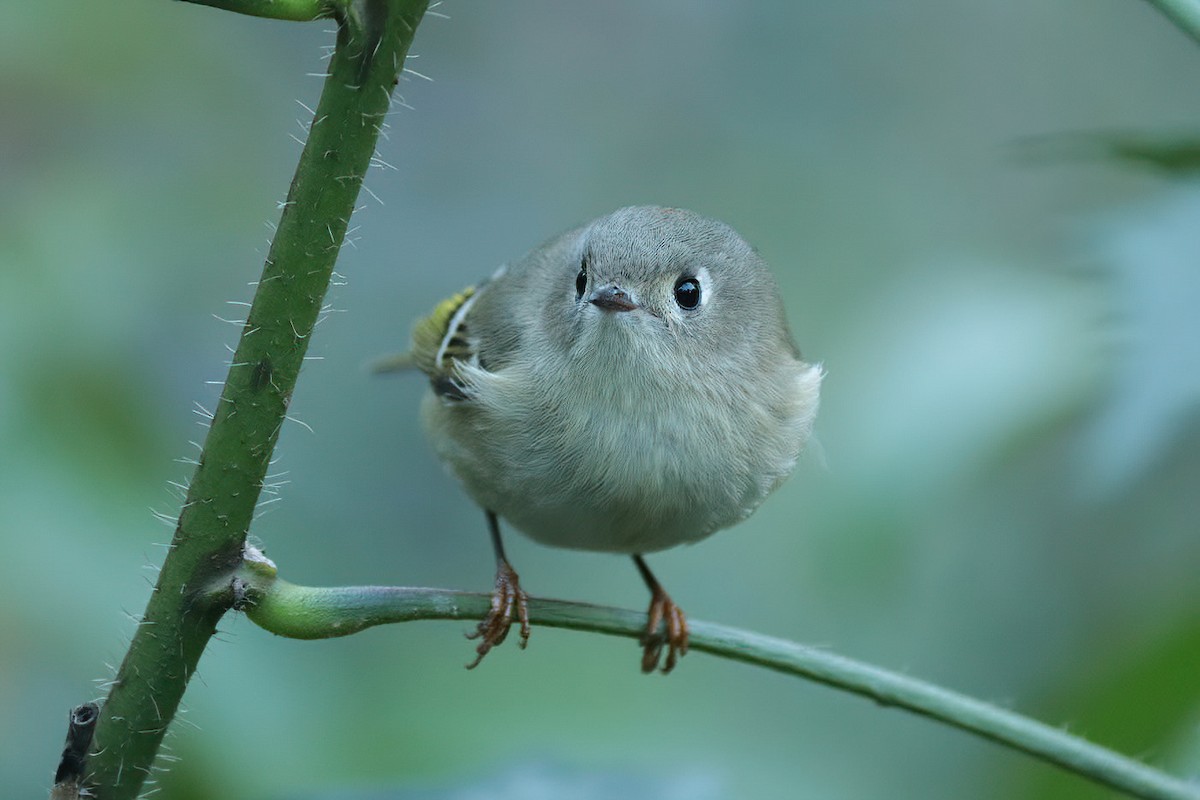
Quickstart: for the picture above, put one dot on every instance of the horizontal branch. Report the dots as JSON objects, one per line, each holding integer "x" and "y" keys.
{"x": 305, "y": 612}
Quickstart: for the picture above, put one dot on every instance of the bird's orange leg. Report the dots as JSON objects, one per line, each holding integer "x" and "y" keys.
{"x": 662, "y": 609}
{"x": 507, "y": 598}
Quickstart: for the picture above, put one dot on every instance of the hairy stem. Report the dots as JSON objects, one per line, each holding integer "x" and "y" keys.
{"x": 372, "y": 41}
{"x": 305, "y": 612}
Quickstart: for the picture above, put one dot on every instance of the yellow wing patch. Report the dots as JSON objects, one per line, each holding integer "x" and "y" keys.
{"x": 441, "y": 338}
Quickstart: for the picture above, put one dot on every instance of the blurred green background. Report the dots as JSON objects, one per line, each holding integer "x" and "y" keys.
{"x": 1006, "y": 497}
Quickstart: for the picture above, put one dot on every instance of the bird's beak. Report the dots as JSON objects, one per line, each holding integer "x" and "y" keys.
{"x": 612, "y": 298}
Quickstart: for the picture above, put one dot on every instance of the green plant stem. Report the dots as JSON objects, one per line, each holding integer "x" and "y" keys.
{"x": 305, "y": 612}
{"x": 372, "y": 41}
{"x": 1184, "y": 13}
{"x": 291, "y": 10}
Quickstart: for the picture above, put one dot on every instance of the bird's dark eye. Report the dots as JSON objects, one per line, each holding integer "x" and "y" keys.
{"x": 581, "y": 279}
{"x": 687, "y": 293}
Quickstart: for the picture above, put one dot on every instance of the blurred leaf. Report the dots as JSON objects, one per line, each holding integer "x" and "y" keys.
{"x": 1175, "y": 156}
{"x": 1134, "y": 700}
{"x": 96, "y": 415}
{"x": 1151, "y": 253}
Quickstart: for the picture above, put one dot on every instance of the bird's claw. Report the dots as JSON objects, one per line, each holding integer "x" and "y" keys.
{"x": 495, "y": 626}
{"x": 675, "y": 638}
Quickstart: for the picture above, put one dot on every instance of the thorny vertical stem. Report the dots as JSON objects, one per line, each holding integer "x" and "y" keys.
{"x": 372, "y": 41}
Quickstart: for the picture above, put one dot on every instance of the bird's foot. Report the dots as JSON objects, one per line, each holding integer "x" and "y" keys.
{"x": 495, "y": 626}
{"x": 675, "y": 638}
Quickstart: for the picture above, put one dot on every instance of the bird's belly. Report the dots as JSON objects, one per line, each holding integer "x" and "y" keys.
{"x": 618, "y": 519}
{"x": 606, "y": 481}
{"x": 566, "y": 527}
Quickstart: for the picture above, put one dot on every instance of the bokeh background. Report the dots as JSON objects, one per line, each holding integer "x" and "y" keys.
{"x": 1006, "y": 495}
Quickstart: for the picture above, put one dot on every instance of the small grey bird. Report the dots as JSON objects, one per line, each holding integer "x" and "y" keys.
{"x": 626, "y": 387}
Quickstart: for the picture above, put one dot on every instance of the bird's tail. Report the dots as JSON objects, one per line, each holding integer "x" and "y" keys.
{"x": 397, "y": 362}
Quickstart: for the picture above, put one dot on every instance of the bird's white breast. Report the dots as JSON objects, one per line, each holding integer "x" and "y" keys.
{"x": 580, "y": 460}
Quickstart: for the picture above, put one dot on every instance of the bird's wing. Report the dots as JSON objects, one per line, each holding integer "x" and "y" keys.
{"x": 438, "y": 341}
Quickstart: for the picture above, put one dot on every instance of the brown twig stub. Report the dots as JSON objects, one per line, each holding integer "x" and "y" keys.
{"x": 71, "y": 766}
